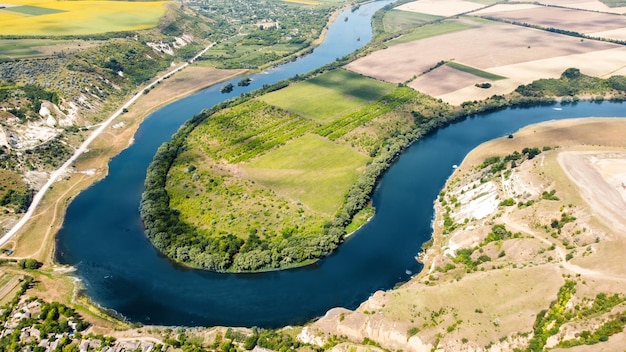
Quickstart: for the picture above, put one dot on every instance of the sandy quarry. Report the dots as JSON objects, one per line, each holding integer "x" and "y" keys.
{"x": 491, "y": 307}
{"x": 601, "y": 178}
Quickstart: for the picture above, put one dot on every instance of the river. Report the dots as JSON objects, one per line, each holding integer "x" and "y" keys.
{"x": 102, "y": 235}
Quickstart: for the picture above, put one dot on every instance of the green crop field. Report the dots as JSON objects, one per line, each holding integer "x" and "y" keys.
{"x": 310, "y": 169}
{"x": 248, "y": 130}
{"x": 329, "y": 96}
{"x": 398, "y": 20}
{"x": 58, "y": 18}
{"x": 367, "y": 113}
{"x": 474, "y": 71}
{"x": 33, "y": 10}
{"x": 432, "y": 30}
{"x": 13, "y": 49}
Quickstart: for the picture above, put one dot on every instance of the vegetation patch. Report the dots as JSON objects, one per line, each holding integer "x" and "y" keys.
{"x": 474, "y": 71}
{"x": 571, "y": 83}
{"x": 348, "y": 122}
{"x": 360, "y": 219}
{"x": 432, "y": 30}
{"x": 15, "y": 194}
{"x": 248, "y": 130}
{"x": 311, "y": 170}
{"x": 328, "y": 96}
{"x": 398, "y": 20}
{"x": 32, "y": 10}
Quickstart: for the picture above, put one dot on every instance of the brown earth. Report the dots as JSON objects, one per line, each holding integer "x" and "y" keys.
{"x": 584, "y": 22}
{"x": 590, "y": 5}
{"x": 490, "y": 45}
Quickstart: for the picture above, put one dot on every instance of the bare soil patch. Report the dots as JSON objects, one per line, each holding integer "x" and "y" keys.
{"x": 601, "y": 177}
{"x": 440, "y": 8}
{"x": 485, "y": 47}
{"x": 591, "y": 5}
{"x": 444, "y": 80}
{"x": 561, "y": 18}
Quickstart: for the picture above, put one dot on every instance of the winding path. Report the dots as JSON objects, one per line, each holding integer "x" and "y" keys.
{"x": 84, "y": 146}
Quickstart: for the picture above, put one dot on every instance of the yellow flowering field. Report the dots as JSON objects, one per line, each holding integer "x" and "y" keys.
{"x": 52, "y": 18}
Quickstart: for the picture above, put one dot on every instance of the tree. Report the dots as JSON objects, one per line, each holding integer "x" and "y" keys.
{"x": 29, "y": 264}
{"x": 571, "y": 73}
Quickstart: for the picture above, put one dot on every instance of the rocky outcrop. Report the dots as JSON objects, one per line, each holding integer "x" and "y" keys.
{"x": 357, "y": 327}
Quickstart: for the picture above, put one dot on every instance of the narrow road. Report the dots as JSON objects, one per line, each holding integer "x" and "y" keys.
{"x": 84, "y": 146}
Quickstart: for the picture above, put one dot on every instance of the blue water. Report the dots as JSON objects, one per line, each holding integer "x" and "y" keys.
{"x": 102, "y": 235}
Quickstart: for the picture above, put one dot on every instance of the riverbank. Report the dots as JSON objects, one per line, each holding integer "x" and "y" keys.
{"x": 37, "y": 238}
{"x": 473, "y": 302}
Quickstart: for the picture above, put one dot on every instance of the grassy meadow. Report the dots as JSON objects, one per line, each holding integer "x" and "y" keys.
{"x": 310, "y": 169}
{"x": 329, "y": 96}
{"x": 398, "y": 20}
{"x": 217, "y": 202}
{"x": 64, "y": 18}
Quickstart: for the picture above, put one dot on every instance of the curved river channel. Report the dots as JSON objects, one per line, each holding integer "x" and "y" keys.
{"x": 102, "y": 235}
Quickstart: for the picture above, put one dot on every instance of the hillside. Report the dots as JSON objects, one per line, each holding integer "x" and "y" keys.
{"x": 525, "y": 252}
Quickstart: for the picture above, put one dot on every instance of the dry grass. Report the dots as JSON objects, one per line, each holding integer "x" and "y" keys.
{"x": 502, "y": 301}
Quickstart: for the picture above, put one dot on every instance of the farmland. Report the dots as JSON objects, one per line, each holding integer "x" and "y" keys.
{"x": 297, "y": 183}
{"x": 328, "y": 96}
{"x": 45, "y": 18}
{"x": 486, "y": 45}
{"x": 583, "y": 22}
{"x": 254, "y": 187}
{"x": 265, "y": 184}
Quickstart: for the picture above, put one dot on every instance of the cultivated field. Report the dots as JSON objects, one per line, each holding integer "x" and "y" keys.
{"x": 445, "y": 8}
{"x": 59, "y": 18}
{"x": 487, "y": 46}
{"x": 585, "y": 22}
{"x": 518, "y": 53}
{"x": 328, "y": 96}
{"x": 610, "y": 6}
{"x": 13, "y": 49}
